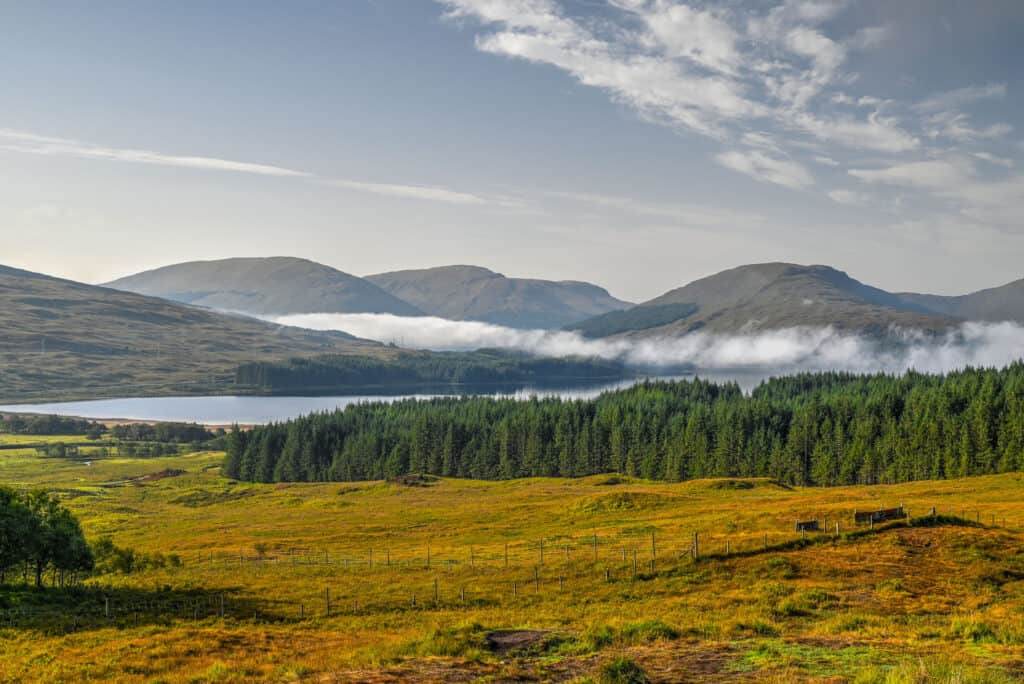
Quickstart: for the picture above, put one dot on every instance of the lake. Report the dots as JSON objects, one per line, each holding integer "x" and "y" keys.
{"x": 226, "y": 410}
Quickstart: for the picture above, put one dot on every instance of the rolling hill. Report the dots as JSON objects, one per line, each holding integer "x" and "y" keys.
{"x": 1005, "y": 303}
{"x": 478, "y": 294}
{"x": 265, "y": 286}
{"x": 779, "y": 295}
{"x": 63, "y": 339}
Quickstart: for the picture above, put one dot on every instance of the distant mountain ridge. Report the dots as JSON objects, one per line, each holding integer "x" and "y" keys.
{"x": 478, "y": 294}
{"x": 782, "y": 295}
{"x": 265, "y": 286}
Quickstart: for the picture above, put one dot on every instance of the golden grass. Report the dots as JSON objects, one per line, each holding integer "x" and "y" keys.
{"x": 901, "y": 604}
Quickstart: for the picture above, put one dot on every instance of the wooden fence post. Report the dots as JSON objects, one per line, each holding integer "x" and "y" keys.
{"x": 542, "y": 550}
{"x": 506, "y": 554}
{"x": 435, "y": 592}
{"x": 634, "y": 563}
{"x": 536, "y": 579}
{"x": 428, "y": 554}
{"x": 327, "y": 600}
{"x": 654, "y": 549}
{"x": 595, "y": 548}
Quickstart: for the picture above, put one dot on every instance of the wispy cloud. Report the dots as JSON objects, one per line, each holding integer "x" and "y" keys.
{"x": 689, "y": 214}
{"x": 767, "y": 168}
{"x": 772, "y": 82}
{"x": 409, "y": 191}
{"x": 32, "y": 143}
{"x": 850, "y": 197}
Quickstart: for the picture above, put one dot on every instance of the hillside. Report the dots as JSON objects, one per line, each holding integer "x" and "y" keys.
{"x": 1004, "y": 303}
{"x": 478, "y": 294}
{"x": 265, "y": 286}
{"x": 772, "y": 296}
{"x": 62, "y": 339}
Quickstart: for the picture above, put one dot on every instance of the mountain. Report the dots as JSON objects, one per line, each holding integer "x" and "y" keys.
{"x": 477, "y": 294}
{"x": 63, "y": 339}
{"x": 1005, "y": 303}
{"x": 772, "y": 296}
{"x": 265, "y": 286}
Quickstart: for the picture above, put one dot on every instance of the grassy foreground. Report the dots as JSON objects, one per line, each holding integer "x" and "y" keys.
{"x": 415, "y": 577}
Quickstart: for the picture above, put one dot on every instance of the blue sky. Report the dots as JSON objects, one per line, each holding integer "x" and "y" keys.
{"x": 634, "y": 143}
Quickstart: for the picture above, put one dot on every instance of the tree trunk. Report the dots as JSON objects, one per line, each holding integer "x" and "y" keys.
{"x": 39, "y": 574}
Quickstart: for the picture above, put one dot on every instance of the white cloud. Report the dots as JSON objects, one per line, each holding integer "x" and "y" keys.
{"x": 993, "y": 159}
{"x": 763, "y": 167}
{"x": 689, "y": 214}
{"x": 790, "y": 349}
{"x": 827, "y": 161}
{"x": 699, "y": 35}
{"x": 850, "y": 197}
{"x": 932, "y": 174}
{"x": 409, "y": 191}
{"x": 707, "y": 68}
{"x": 995, "y": 202}
{"x": 953, "y": 99}
{"x": 32, "y": 143}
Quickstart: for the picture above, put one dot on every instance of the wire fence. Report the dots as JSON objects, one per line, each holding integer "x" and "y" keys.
{"x": 496, "y": 574}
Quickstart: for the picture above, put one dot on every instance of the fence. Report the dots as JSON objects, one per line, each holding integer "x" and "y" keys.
{"x": 512, "y": 571}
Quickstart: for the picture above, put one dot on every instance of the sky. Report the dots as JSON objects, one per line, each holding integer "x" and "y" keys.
{"x": 637, "y": 144}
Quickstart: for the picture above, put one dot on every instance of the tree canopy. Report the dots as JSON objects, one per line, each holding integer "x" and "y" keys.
{"x": 37, "y": 532}
{"x": 807, "y": 429}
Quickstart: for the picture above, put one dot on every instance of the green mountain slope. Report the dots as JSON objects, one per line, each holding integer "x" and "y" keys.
{"x": 777, "y": 295}
{"x": 265, "y": 286}
{"x": 62, "y": 339}
{"x": 1005, "y": 303}
{"x": 478, "y": 294}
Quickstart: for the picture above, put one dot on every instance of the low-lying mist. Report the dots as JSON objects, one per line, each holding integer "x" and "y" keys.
{"x": 788, "y": 350}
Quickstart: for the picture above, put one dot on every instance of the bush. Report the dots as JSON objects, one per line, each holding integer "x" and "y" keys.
{"x": 648, "y": 631}
{"x": 622, "y": 671}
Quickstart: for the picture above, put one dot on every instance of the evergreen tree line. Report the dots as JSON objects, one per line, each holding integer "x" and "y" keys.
{"x": 175, "y": 433}
{"x": 39, "y": 535}
{"x": 808, "y": 429}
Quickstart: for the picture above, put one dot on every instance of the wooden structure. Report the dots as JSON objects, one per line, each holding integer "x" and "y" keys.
{"x": 881, "y": 515}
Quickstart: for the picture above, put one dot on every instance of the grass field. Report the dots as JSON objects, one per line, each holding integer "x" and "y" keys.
{"x": 936, "y": 599}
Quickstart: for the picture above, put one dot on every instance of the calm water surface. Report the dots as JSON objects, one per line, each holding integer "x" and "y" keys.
{"x": 258, "y": 410}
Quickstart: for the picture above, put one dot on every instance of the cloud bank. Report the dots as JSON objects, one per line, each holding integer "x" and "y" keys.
{"x": 788, "y": 350}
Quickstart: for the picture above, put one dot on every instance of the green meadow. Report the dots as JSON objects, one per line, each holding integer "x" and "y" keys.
{"x": 591, "y": 579}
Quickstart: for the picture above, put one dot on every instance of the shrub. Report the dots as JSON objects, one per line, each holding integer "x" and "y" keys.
{"x": 622, "y": 671}
{"x": 647, "y": 631}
